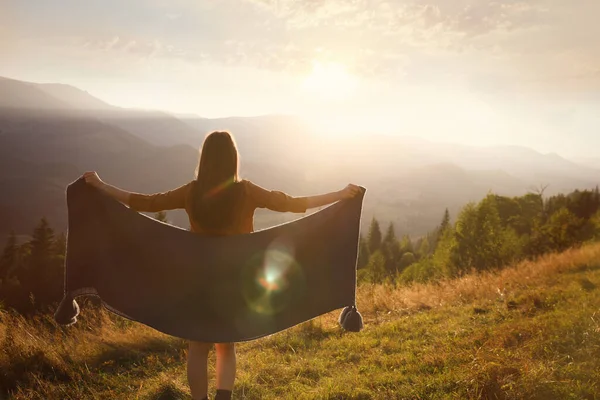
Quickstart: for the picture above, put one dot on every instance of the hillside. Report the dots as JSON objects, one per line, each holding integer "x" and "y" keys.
{"x": 18, "y": 95}
{"x": 531, "y": 331}
{"x": 41, "y": 149}
{"x": 155, "y": 127}
{"x": 74, "y": 97}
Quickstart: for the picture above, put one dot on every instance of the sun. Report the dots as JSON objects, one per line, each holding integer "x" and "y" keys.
{"x": 331, "y": 93}
{"x": 330, "y": 81}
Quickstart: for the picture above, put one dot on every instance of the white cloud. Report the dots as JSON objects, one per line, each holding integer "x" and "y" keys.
{"x": 110, "y": 44}
{"x": 502, "y": 40}
{"x": 489, "y": 48}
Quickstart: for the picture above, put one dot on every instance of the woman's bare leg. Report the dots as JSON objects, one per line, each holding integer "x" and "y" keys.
{"x": 226, "y": 363}
{"x": 197, "y": 372}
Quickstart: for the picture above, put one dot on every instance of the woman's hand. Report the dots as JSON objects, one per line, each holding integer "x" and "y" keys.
{"x": 350, "y": 191}
{"x": 92, "y": 178}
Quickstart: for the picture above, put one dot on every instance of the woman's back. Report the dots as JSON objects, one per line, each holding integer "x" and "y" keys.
{"x": 239, "y": 217}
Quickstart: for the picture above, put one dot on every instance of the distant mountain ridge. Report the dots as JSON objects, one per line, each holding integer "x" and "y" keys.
{"x": 155, "y": 127}
{"x": 51, "y": 133}
{"x": 21, "y": 95}
{"x": 166, "y": 129}
{"x": 74, "y": 97}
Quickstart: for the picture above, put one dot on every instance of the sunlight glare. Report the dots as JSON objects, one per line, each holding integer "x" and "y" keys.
{"x": 330, "y": 81}
{"x": 345, "y": 125}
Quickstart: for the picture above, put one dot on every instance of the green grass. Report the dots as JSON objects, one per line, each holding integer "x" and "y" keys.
{"x": 527, "y": 332}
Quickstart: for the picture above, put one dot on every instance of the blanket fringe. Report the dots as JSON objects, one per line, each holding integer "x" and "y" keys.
{"x": 67, "y": 311}
{"x": 351, "y": 320}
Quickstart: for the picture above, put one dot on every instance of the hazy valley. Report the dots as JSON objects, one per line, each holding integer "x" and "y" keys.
{"x": 50, "y": 134}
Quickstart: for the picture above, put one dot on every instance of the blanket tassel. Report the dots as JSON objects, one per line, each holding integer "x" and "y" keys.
{"x": 67, "y": 311}
{"x": 351, "y": 320}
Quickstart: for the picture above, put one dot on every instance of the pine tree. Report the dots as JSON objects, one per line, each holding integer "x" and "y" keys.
{"x": 374, "y": 238}
{"x": 442, "y": 257}
{"x": 390, "y": 248}
{"x": 9, "y": 256}
{"x": 363, "y": 253}
{"x": 37, "y": 278}
{"x": 445, "y": 222}
{"x": 390, "y": 235}
{"x": 439, "y": 231}
{"x": 42, "y": 243}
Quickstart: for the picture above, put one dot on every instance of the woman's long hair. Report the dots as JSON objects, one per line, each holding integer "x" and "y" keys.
{"x": 217, "y": 192}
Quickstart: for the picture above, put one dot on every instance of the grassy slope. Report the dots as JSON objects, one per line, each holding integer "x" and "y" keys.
{"x": 532, "y": 331}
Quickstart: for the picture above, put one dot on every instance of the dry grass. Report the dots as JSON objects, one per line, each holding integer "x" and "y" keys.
{"x": 494, "y": 285}
{"x": 528, "y": 331}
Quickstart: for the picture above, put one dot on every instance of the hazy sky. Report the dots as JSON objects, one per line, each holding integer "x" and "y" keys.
{"x": 471, "y": 71}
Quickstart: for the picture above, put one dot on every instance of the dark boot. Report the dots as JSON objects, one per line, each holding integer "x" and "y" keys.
{"x": 223, "y": 394}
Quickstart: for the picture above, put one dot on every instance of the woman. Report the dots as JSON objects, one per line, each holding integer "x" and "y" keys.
{"x": 217, "y": 203}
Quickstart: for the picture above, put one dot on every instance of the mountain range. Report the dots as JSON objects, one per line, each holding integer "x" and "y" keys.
{"x": 51, "y": 133}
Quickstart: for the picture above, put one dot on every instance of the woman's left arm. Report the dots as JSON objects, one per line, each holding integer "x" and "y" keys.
{"x": 92, "y": 178}
{"x": 324, "y": 199}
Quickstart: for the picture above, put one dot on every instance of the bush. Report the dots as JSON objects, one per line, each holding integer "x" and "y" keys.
{"x": 423, "y": 271}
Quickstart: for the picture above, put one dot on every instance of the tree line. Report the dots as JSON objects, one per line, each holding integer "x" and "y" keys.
{"x": 32, "y": 273}
{"x": 487, "y": 235}
{"x": 493, "y": 233}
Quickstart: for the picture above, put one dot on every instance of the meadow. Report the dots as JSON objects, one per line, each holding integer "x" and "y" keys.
{"x": 529, "y": 331}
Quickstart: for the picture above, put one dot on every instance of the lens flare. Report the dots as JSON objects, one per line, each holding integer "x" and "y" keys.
{"x": 273, "y": 279}
{"x": 219, "y": 188}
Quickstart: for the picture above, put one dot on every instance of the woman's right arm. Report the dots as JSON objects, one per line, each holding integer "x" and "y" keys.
{"x": 279, "y": 201}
